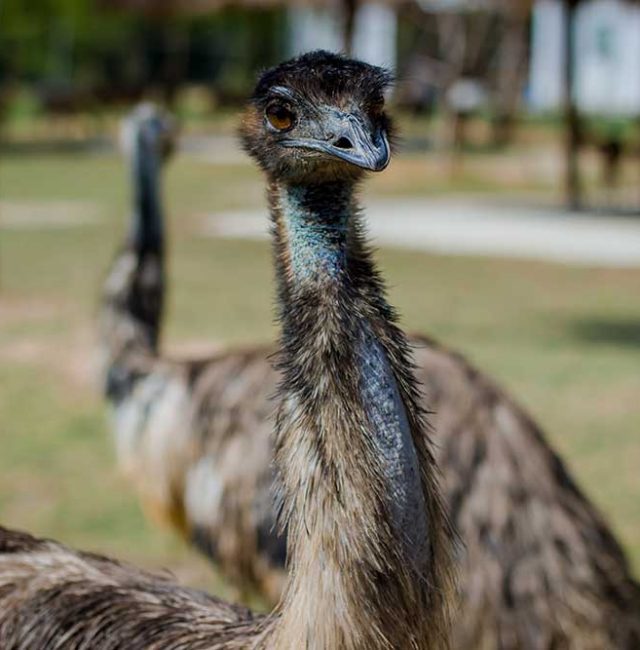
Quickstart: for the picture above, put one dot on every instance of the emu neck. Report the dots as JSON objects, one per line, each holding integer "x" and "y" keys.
{"x": 316, "y": 221}
{"x": 354, "y": 499}
{"x": 147, "y": 225}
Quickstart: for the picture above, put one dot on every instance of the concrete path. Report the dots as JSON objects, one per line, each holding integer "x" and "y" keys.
{"x": 477, "y": 227}
{"x": 47, "y": 215}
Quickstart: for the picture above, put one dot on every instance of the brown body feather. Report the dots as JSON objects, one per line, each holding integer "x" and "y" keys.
{"x": 539, "y": 569}
{"x": 55, "y": 598}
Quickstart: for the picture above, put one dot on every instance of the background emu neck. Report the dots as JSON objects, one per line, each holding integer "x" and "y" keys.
{"x": 147, "y": 225}
{"x": 133, "y": 294}
{"x": 354, "y": 497}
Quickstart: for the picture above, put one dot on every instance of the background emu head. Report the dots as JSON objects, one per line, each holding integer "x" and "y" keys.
{"x": 319, "y": 117}
{"x": 150, "y": 128}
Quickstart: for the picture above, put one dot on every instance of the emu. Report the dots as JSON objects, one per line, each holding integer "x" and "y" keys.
{"x": 540, "y": 567}
{"x": 370, "y": 545}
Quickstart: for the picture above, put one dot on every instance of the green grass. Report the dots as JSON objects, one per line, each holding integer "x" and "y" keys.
{"x": 565, "y": 341}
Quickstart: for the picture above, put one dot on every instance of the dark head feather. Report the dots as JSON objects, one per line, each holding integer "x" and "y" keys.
{"x": 326, "y": 76}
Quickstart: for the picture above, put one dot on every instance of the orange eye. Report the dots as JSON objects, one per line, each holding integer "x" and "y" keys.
{"x": 280, "y": 117}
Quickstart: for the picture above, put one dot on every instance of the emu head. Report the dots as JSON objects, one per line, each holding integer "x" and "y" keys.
{"x": 150, "y": 127}
{"x": 319, "y": 117}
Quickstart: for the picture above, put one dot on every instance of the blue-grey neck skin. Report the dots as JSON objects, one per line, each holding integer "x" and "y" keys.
{"x": 316, "y": 219}
{"x": 318, "y": 222}
{"x": 147, "y": 224}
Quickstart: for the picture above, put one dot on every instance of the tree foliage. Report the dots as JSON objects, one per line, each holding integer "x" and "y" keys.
{"x": 84, "y": 46}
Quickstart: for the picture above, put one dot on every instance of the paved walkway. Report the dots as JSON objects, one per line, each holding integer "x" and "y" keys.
{"x": 47, "y": 215}
{"x": 478, "y": 227}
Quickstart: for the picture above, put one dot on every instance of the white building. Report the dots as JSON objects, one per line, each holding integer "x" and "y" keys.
{"x": 607, "y": 41}
{"x": 374, "y": 38}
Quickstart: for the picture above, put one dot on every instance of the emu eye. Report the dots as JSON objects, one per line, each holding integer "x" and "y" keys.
{"x": 280, "y": 118}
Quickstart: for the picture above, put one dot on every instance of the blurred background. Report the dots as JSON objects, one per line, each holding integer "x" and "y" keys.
{"x": 508, "y": 224}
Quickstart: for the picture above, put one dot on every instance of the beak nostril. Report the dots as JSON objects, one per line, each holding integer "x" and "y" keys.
{"x": 343, "y": 143}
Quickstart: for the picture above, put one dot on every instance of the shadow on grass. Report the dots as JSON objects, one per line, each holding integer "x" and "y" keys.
{"x": 617, "y": 331}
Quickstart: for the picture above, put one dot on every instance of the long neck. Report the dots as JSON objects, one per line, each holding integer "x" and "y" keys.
{"x": 147, "y": 228}
{"x": 133, "y": 293}
{"x": 368, "y": 540}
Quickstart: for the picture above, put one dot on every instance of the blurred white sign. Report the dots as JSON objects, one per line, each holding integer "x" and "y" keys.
{"x": 374, "y": 38}
{"x": 607, "y": 41}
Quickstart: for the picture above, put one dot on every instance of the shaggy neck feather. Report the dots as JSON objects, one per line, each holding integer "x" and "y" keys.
{"x": 353, "y": 494}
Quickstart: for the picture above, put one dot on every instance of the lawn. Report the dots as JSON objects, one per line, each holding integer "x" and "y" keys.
{"x": 565, "y": 341}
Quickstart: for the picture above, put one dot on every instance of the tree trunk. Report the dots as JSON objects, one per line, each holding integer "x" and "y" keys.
{"x": 350, "y": 8}
{"x": 174, "y": 62}
{"x": 511, "y": 73}
{"x": 572, "y": 117}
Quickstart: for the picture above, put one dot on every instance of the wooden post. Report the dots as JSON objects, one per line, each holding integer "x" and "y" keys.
{"x": 350, "y": 8}
{"x": 513, "y": 56}
{"x": 572, "y": 117}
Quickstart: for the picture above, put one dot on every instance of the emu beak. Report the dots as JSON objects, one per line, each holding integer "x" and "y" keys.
{"x": 349, "y": 139}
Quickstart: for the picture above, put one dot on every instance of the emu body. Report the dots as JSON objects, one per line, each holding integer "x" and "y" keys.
{"x": 539, "y": 567}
